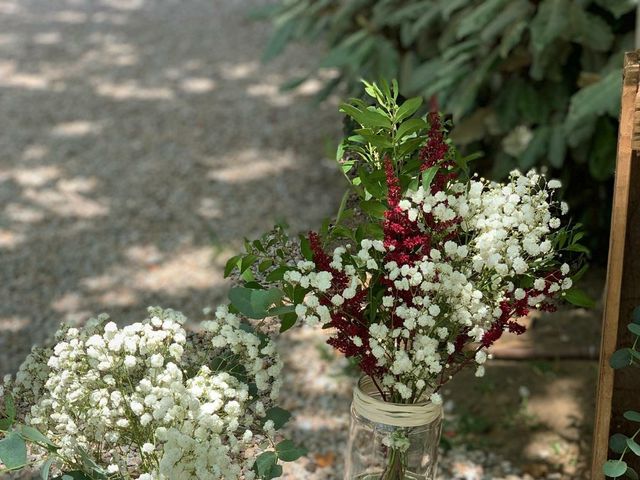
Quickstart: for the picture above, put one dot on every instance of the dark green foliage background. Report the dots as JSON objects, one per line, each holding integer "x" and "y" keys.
{"x": 552, "y": 66}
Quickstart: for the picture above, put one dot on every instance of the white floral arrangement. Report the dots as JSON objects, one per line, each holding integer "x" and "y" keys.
{"x": 425, "y": 266}
{"x": 151, "y": 401}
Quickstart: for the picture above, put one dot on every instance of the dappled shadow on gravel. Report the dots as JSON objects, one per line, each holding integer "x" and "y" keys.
{"x": 140, "y": 142}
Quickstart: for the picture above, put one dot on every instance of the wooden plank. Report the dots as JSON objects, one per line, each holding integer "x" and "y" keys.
{"x": 613, "y": 323}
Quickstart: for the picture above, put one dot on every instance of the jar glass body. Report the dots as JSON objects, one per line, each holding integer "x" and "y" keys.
{"x": 380, "y": 449}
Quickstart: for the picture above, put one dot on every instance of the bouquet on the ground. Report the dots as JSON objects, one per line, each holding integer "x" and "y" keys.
{"x": 148, "y": 401}
{"x": 425, "y": 266}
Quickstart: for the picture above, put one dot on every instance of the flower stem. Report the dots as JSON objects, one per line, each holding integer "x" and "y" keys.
{"x": 396, "y": 466}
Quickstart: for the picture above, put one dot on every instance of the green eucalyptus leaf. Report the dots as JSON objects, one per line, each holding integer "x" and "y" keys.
{"x": 634, "y": 328}
{"x": 618, "y": 442}
{"x": 631, "y": 473}
{"x": 278, "y": 415}
{"x": 633, "y": 446}
{"x": 45, "y": 469}
{"x": 10, "y": 407}
{"x": 632, "y": 416}
{"x": 33, "y": 435}
{"x": 13, "y": 451}
{"x": 254, "y": 303}
{"x": 289, "y": 452}
{"x": 621, "y": 358}
{"x": 275, "y": 311}
{"x": 264, "y": 463}
{"x": 287, "y": 321}
{"x": 614, "y": 468}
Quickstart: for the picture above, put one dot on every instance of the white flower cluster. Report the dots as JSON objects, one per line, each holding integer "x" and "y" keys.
{"x": 150, "y": 401}
{"x": 496, "y": 237}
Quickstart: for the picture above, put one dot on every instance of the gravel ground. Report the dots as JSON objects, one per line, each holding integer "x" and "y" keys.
{"x": 135, "y": 138}
{"x": 140, "y": 142}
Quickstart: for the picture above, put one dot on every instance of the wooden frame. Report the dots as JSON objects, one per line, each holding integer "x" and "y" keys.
{"x": 619, "y": 391}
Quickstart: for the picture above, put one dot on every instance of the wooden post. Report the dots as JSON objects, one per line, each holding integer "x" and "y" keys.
{"x": 620, "y": 390}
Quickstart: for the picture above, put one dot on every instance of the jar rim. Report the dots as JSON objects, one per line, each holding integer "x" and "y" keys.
{"x": 395, "y": 414}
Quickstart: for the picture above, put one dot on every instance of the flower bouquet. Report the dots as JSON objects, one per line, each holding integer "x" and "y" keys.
{"x": 148, "y": 401}
{"x": 422, "y": 270}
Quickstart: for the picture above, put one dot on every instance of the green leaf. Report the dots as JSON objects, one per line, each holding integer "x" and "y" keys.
{"x": 46, "y": 468}
{"x": 621, "y": 358}
{"x": 231, "y": 264}
{"x": 557, "y": 146}
{"x": 633, "y": 446}
{"x": 287, "y": 321}
{"x": 10, "y": 412}
{"x": 5, "y": 424}
{"x": 254, "y": 303}
{"x": 618, "y": 7}
{"x": 578, "y": 297}
{"x": 599, "y": 98}
{"x": 410, "y": 126}
{"x": 282, "y": 310}
{"x": 632, "y": 416}
{"x": 631, "y": 473}
{"x": 618, "y": 442}
{"x": 278, "y": 41}
{"x": 428, "y": 175}
{"x": 289, "y": 452}
{"x": 13, "y": 451}
{"x": 33, "y": 435}
{"x": 576, "y": 247}
{"x": 10, "y": 407}
{"x": 373, "y": 208}
{"x": 265, "y": 463}
{"x": 246, "y": 262}
{"x": 278, "y": 415}
{"x": 407, "y": 109}
{"x": 305, "y": 248}
{"x": 367, "y": 118}
{"x": 475, "y": 20}
{"x": 550, "y": 22}
{"x": 514, "y": 11}
{"x": 276, "y": 471}
{"x": 634, "y": 328}
{"x": 614, "y": 468}
{"x": 265, "y": 265}
{"x": 512, "y": 37}
{"x": 591, "y": 31}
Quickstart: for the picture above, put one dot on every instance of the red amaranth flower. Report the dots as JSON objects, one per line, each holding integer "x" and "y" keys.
{"x": 434, "y": 153}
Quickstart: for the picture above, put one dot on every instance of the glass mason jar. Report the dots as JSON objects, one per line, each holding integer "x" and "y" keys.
{"x": 391, "y": 441}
